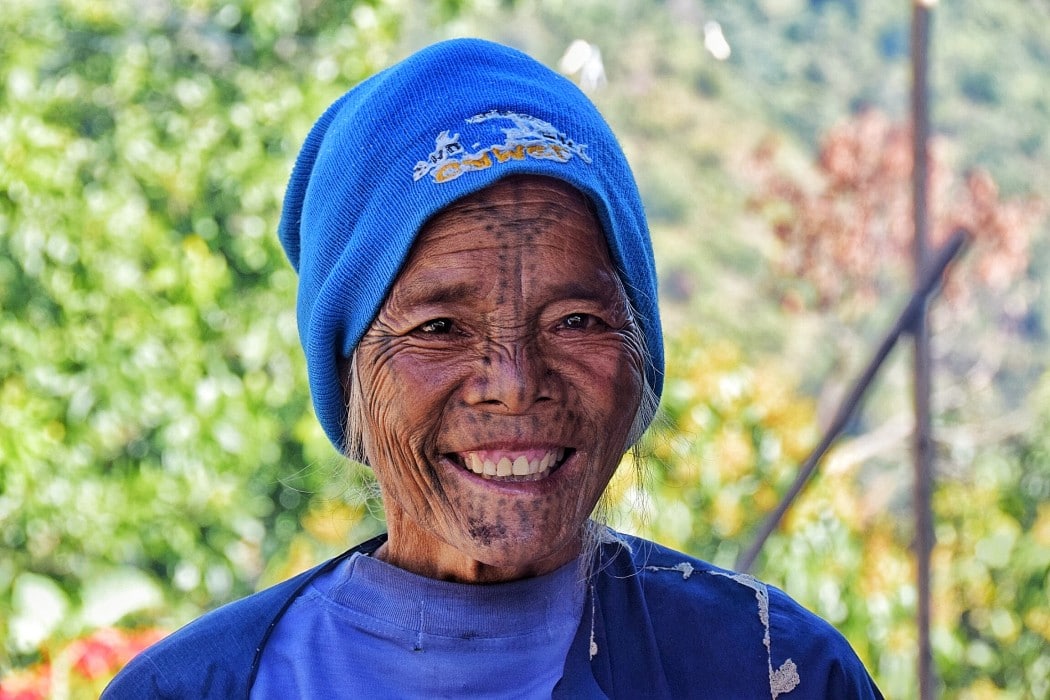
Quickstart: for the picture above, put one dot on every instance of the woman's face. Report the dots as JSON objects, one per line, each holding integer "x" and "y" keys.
{"x": 499, "y": 383}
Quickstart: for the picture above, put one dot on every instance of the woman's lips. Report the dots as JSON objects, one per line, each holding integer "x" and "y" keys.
{"x": 512, "y": 465}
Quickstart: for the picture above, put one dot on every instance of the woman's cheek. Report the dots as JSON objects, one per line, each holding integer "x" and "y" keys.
{"x": 600, "y": 364}
{"x": 403, "y": 474}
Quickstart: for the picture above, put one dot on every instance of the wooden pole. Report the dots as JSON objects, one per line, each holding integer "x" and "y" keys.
{"x": 923, "y": 441}
{"x": 905, "y": 323}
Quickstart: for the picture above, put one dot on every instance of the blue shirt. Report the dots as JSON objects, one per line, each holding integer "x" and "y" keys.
{"x": 369, "y": 629}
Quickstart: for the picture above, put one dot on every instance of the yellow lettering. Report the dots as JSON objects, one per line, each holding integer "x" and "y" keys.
{"x": 504, "y": 155}
{"x": 448, "y": 171}
{"x": 452, "y": 169}
{"x": 478, "y": 163}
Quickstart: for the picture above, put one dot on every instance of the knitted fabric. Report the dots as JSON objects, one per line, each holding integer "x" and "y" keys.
{"x": 399, "y": 147}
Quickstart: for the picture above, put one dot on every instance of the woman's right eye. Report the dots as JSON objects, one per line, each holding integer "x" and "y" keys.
{"x": 436, "y": 326}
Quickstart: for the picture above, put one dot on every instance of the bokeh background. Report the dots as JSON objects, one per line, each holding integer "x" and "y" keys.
{"x": 158, "y": 455}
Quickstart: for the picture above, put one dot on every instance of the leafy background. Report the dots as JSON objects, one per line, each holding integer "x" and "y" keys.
{"x": 158, "y": 456}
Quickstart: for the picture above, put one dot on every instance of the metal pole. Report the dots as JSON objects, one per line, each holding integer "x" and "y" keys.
{"x": 922, "y": 505}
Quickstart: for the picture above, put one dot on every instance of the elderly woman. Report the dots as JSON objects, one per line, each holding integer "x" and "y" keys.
{"x": 477, "y": 304}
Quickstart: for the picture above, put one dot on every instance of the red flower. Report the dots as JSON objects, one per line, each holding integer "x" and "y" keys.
{"x": 31, "y": 684}
{"x": 105, "y": 651}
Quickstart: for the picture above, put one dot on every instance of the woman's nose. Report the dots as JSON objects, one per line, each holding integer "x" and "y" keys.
{"x": 512, "y": 376}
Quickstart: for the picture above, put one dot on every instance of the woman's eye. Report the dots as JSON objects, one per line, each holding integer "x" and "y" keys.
{"x": 436, "y": 326}
{"x": 578, "y": 321}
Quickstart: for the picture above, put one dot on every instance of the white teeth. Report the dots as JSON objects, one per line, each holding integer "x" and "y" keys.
{"x": 519, "y": 468}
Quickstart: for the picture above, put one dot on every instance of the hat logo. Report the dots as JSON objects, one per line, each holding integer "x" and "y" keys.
{"x": 529, "y": 137}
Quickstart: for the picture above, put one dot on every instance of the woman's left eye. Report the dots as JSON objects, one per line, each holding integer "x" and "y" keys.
{"x": 578, "y": 321}
{"x": 436, "y": 326}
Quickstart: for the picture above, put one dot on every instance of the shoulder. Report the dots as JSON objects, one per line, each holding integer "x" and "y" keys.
{"x": 215, "y": 655}
{"x": 697, "y": 610}
{"x": 211, "y": 656}
{"x": 688, "y": 585}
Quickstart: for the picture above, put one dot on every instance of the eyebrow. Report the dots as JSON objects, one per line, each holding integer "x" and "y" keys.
{"x": 454, "y": 291}
{"x": 581, "y": 292}
{"x": 439, "y": 294}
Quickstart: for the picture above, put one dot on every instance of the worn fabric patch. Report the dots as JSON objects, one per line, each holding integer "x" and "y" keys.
{"x": 527, "y": 137}
{"x": 786, "y": 678}
{"x": 782, "y": 680}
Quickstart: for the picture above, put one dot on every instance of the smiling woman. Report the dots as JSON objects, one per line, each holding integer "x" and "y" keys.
{"x": 477, "y": 305}
{"x": 505, "y": 347}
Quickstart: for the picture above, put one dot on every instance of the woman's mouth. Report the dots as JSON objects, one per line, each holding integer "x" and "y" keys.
{"x": 513, "y": 465}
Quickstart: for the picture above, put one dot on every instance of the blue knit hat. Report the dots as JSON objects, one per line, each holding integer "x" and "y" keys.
{"x": 399, "y": 147}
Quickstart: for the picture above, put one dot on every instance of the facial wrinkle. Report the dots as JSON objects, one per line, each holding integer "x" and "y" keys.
{"x": 532, "y": 245}
{"x": 400, "y": 449}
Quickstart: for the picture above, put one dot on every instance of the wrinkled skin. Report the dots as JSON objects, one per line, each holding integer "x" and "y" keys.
{"x": 505, "y": 335}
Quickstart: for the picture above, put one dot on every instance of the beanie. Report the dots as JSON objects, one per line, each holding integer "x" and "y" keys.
{"x": 399, "y": 147}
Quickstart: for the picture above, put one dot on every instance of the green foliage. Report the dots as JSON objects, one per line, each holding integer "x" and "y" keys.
{"x": 994, "y": 559}
{"x": 156, "y": 440}
{"x": 728, "y": 439}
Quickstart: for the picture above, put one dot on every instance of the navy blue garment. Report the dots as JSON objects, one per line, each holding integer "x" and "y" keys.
{"x": 656, "y": 624}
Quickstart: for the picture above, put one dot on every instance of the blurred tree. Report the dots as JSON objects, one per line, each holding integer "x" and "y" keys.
{"x": 849, "y": 234}
{"x": 845, "y": 231}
